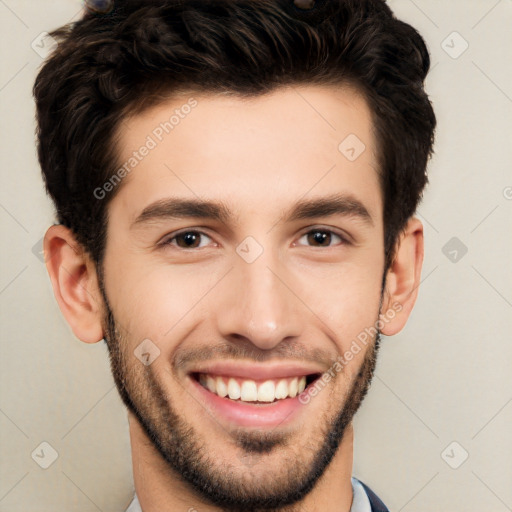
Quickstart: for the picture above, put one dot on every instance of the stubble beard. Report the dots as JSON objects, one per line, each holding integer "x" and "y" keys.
{"x": 231, "y": 488}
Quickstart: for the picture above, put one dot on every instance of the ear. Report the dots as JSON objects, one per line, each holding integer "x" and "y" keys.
{"x": 75, "y": 285}
{"x": 403, "y": 278}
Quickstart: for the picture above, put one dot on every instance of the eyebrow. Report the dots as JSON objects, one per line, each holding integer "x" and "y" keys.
{"x": 181, "y": 208}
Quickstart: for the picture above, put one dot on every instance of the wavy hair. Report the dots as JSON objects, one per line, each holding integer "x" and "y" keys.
{"x": 107, "y": 66}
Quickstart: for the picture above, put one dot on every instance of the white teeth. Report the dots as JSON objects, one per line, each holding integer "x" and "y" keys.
{"x": 222, "y": 389}
{"x": 233, "y": 389}
{"x": 210, "y": 384}
{"x": 266, "y": 392}
{"x": 282, "y": 389}
{"x": 250, "y": 391}
{"x": 294, "y": 386}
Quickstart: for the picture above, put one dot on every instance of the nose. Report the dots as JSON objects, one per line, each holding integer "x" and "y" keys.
{"x": 257, "y": 304}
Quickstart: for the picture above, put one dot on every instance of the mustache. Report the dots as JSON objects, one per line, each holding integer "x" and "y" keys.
{"x": 284, "y": 352}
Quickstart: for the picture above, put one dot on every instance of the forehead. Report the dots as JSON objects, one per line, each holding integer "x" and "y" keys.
{"x": 252, "y": 152}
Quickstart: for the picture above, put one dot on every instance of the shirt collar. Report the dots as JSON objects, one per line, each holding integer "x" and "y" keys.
{"x": 360, "y": 501}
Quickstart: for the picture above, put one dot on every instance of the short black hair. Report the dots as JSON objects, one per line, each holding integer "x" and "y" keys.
{"x": 120, "y": 61}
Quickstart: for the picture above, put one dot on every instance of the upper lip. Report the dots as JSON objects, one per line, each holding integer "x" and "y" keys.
{"x": 265, "y": 371}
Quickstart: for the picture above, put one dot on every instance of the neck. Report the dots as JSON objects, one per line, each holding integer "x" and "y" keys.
{"x": 159, "y": 488}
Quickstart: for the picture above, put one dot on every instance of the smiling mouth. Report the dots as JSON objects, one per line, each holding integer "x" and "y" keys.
{"x": 252, "y": 391}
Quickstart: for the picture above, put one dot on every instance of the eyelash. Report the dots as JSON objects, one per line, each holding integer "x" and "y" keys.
{"x": 168, "y": 241}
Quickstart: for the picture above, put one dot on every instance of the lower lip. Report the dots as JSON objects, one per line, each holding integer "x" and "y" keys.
{"x": 245, "y": 414}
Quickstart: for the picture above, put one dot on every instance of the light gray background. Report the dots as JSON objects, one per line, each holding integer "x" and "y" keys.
{"x": 446, "y": 378}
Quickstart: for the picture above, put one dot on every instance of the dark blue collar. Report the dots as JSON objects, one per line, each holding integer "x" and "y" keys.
{"x": 375, "y": 501}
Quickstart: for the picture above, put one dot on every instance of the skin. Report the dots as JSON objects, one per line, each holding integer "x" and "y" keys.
{"x": 300, "y": 300}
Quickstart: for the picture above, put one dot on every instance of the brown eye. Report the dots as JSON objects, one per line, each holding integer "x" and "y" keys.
{"x": 187, "y": 239}
{"x": 321, "y": 237}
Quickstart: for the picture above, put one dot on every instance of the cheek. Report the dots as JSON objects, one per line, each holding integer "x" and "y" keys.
{"x": 346, "y": 300}
{"x": 155, "y": 302}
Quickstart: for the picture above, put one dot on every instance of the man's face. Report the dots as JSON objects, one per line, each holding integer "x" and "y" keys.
{"x": 260, "y": 289}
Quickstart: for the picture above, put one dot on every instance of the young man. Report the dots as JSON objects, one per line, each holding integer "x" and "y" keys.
{"x": 235, "y": 184}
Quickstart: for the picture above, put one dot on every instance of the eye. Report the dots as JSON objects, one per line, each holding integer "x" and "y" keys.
{"x": 322, "y": 237}
{"x": 191, "y": 239}
{"x": 186, "y": 239}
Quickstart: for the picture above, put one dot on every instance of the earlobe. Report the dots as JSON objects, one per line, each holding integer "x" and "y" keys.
{"x": 403, "y": 278}
{"x": 74, "y": 281}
